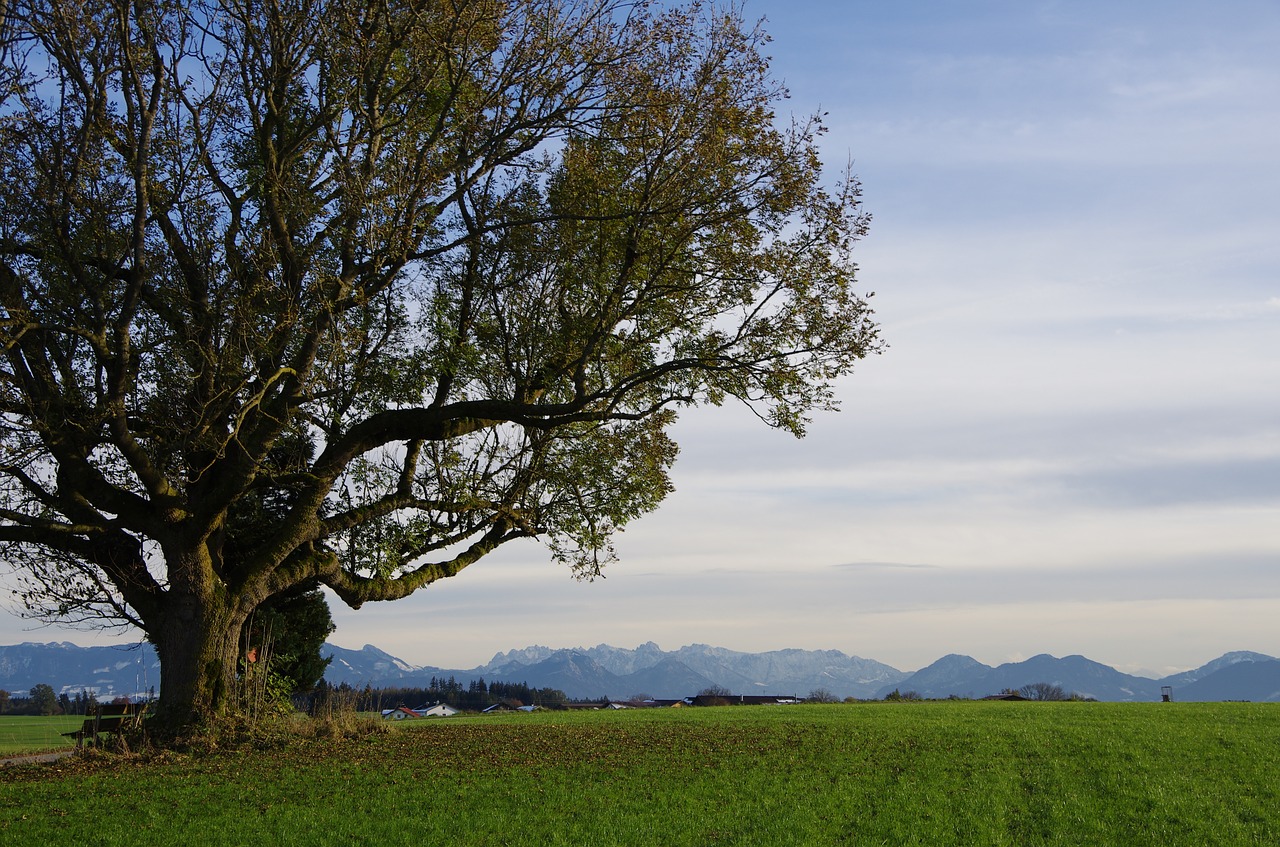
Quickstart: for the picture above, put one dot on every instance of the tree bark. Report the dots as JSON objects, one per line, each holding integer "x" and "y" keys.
{"x": 198, "y": 644}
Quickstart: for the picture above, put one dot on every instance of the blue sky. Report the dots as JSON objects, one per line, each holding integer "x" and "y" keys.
{"x": 1073, "y": 442}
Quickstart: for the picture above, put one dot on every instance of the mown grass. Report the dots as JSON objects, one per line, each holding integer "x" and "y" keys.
{"x": 897, "y": 774}
{"x": 27, "y": 734}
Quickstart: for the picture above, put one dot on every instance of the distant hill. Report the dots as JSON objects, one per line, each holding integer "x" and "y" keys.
{"x": 650, "y": 670}
{"x": 1242, "y": 680}
{"x": 105, "y": 672}
{"x": 374, "y": 667}
{"x": 963, "y": 676}
{"x": 1226, "y": 660}
{"x": 574, "y": 673}
{"x": 1234, "y": 676}
{"x": 953, "y": 674}
{"x": 670, "y": 679}
{"x": 619, "y": 673}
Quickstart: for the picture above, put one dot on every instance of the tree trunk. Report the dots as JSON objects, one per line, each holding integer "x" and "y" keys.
{"x": 198, "y": 645}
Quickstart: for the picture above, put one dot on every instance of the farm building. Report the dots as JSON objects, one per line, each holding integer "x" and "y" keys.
{"x": 435, "y": 710}
{"x": 400, "y": 713}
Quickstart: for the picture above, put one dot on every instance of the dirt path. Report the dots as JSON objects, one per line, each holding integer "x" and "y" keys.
{"x": 36, "y": 758}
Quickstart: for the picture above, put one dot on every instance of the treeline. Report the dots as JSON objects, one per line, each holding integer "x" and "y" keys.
{"x": 44, "y": 701}
{"x": 474, "y": 696}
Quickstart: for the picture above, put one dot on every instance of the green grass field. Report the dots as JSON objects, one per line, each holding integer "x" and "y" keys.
{"x": 21, "y": 734}
{"x": 867, "y": 774}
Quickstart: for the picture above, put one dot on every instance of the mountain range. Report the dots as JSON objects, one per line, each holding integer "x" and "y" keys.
{"x": 620, "y": 673}
{"x": 128, "y": 671}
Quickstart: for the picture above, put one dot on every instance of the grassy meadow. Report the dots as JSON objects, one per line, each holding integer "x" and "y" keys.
{"x": 23, "y": 734}
{"x": 968, "y": 773}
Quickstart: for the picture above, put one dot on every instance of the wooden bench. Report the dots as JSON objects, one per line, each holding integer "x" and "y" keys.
{"x": 107, "y": 719}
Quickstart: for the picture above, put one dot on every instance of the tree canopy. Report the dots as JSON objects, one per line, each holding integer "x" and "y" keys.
{"x": 353, "y": 292}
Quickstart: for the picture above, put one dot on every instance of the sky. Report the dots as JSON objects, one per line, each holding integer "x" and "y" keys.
{"x": 1072, "y": 444}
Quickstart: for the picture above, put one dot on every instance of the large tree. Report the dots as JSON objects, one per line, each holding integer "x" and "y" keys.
{"x": 407, "y": 279}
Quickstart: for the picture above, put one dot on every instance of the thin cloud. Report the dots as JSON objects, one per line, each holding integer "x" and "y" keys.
{"x": 883, "y": 566}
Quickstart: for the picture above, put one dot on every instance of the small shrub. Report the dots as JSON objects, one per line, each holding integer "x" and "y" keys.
{"x": 821, "y": 695}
